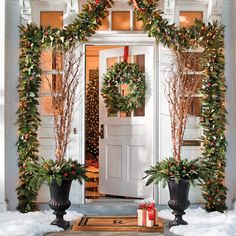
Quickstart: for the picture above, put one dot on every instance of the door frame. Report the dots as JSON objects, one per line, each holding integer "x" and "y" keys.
{"x": 126, "y": 38}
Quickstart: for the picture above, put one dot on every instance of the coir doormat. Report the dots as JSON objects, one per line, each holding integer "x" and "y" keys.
{"x": 114, "y": 224}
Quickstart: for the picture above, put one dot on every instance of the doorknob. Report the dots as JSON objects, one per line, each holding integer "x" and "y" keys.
{"x": 101, "y": 133}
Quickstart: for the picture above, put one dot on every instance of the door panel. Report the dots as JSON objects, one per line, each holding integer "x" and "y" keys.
{"x": 127, "y": 147}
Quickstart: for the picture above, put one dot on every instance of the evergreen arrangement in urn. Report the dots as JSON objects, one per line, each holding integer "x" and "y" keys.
{"x": 52, "y": 170}
{"x": 170, "y": 169}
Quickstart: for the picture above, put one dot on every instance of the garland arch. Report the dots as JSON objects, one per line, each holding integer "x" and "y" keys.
{"x": 210, "y": 37}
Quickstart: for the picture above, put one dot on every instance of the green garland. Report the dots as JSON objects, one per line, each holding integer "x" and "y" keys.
{"x": 211, "y": 38}
{"x": 124, "y": 73}
{"x": 32, "y": 40}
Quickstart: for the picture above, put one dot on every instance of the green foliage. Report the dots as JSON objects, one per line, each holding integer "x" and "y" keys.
{"x": 171, "y": 169}
{"x": 32, "y": 40}
{"x": 213, "y": 118}
{"x": 28, "y": 116}
{"x": 124, "y": 73}
{"x": 50, "y": 170}
{"x": 210, "y": 37}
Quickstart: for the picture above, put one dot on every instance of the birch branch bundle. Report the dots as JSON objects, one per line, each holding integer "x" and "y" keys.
{"x": 64, "y": 91}
{"x": 182, "y": 84}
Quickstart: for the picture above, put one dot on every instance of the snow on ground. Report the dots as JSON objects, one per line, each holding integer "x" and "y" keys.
{"x": 202, "y": 223}
{"x": 32, "y": 223}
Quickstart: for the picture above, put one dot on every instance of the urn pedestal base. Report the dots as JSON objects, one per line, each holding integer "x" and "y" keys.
{"x": 178, "y": 200}
{"x": 60, "y": 202}
{"x": 178, "y": 213}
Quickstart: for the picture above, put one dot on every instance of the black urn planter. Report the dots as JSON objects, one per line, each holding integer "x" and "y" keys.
{"x": 178, "y": 200}
{"x": 60, "y": 202}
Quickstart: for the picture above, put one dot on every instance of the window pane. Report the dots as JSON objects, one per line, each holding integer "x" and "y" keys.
{"x": 125, "y": 114}
{"x": 140, "y": 60}
{"x": 45, "y": 106}
{"x": 105, "y": 24}
{"x": 195, "y": 107}
{"x": 120, "y": 20}
{"x": 45, "y": 88}
{"x": 192, "y": 61}
{"x": 139, "y": 111}
{"x": 50, "y": 60}
{"x": 111, "y": 61}
{"x": 111, "y": 113}
{"x": 57, "y": 60}
{"x": 46, "y": 60}
{"x": 124, "y": 89}
{"x": 51, "y": 18}
{"x": 122, "y": 59}
{"x": 187, "y": 18}
{"x": 138, "y": 25}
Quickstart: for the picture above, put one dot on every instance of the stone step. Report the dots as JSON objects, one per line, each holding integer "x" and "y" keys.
{"x": 109, "y": 208}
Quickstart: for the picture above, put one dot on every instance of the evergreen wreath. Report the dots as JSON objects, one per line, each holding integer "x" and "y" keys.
{"x": 124, "y": 73}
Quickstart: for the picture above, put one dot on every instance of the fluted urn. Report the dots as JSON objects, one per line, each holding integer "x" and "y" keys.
{"x": 178, "y": 200}
{"x": 60, "y": 202}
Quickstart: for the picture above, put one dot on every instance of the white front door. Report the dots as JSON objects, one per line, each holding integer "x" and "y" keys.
{"x": 126, "y": 150}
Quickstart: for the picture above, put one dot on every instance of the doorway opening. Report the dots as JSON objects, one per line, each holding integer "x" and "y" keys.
{"x": 116, "y": 162}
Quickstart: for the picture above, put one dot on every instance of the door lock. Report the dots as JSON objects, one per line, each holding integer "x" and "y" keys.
{"x": 101, "y": 133}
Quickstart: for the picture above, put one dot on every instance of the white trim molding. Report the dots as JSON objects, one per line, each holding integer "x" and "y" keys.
{"x": 215, "y": 8}
{"x": 25, "y": 12}
{"x": 169, "y": 10}
{"x": 30, "y": 10}
{"x": 2, "y": 109}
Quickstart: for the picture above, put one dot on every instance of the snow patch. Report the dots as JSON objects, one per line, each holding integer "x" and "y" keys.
{"x": 32, "y": 223}
{"x": 201, "y": 222}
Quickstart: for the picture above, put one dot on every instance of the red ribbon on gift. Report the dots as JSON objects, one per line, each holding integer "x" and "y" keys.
{"x": 151, "y": 211}
{"x": 150, "y": 208}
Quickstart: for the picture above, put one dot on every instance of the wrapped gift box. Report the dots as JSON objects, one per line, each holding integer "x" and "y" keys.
{"x": 147, "y": 214}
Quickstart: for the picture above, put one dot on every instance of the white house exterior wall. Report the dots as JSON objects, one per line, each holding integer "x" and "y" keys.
{"x": 9, "y": 97}
{"x": 2, "y": 108}
{"x": 234, "y": 53}
{"x": 11, "y": 101}
{"x": 228, "y": 19}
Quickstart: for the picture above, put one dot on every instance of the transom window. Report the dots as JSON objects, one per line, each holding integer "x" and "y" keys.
{"x": 121, "y": 21}
{"x": 187, "y": 18}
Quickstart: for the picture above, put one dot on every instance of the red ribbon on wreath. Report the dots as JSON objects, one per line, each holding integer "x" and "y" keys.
{"x": 126, "y": 53}
{"x": 97, "y": 1}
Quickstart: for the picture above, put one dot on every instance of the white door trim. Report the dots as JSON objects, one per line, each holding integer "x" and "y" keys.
{"x": 117, "y": 38}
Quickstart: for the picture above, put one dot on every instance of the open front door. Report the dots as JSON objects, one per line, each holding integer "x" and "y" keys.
{"x": 126, "y": 150}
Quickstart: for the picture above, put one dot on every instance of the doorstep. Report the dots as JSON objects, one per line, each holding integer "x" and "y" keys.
{"x": 72, "y": 233}
{"x": 112, "y": 208}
